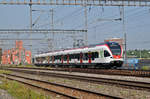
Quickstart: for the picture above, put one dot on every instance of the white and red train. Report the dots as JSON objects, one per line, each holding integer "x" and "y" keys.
{"x": 105, "y": 55}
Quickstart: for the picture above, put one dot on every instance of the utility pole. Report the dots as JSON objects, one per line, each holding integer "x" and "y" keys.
{"x": 52, "y": 27}
{"x": 125, "y": 35}
{"x": 86, "y": 25}
{"x": 30, "y": 5}
{"x": 140, "y": 54}
{"x": 125, "y": 47}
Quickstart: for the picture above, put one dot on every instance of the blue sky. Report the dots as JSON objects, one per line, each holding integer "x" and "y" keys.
{"x": 137, "y": 22}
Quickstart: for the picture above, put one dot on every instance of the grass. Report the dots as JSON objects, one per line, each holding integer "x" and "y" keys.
{"x": 5, "y": 71}
{"x": 123, "y": 92}
{"x": 29, "y": 66}
{"x": 145, "y": 67}
{"x": 22, "y": 65}
{"x": 100, "y": 86}
{"x": 52, "y": 80}
{"x": 19, "y": 91}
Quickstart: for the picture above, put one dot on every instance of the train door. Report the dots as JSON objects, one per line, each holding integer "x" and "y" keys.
{"x": 106, "y": 56}
{"x": 101, "y": 56}
{"x": 68, "y": 59}
{"x": 53, "y": 59}
{"x": 81, "y": 56}
{"x": 62, "y": 59}
{"x": 41, "y": 60}
{"x": 48, "y": 59}
{"x": 89, "y": 56}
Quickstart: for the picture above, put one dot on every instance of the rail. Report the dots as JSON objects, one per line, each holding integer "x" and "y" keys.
{"x": 120, "y": 82}
{"x": 70, "y": 92}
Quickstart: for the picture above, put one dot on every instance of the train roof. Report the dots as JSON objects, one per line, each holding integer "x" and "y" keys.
{"x": 73, "y": 49}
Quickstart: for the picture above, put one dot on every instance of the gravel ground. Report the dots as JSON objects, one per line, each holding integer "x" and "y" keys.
{"x": 4, "y": 94}
{"x": 101, "y": 88}
{"x": 140, "y": 79}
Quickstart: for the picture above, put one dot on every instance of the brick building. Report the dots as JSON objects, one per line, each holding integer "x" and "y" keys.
{"x": 17, "y": 55}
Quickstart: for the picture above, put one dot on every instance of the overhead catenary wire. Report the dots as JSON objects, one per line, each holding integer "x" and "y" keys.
{"x": 109, "y": 24}
{"x": 68, "y": 16}
{"x": 103, "y": 25}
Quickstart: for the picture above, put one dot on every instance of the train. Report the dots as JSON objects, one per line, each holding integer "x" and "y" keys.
{"x": 103, "y": 55}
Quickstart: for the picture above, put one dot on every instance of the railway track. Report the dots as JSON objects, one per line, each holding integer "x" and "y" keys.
{"x": 65, "y": 91}
{"x": 121, "y": 72}
{"x": 123, "y": 83}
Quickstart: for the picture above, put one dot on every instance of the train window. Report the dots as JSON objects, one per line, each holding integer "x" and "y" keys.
{"x": 70, "y": 56}
{"x": 59, "y": 57}
{"x": 62, "y": 57}
{"x": 96, "y": 54}
{"x": 85, "y": 56}
{"x": 106, "y": 53}
{"x": 115, "y": 48}
{"x": 81, "y": 55}
{"x": 93, "y": 55}
{"x": 65, "y": 57}
{"x": 43, "y": 58}
{"x": 53, "y": 58}
{"x": 78, "y": 56}
{"x": 47, "y": 58}
{"x": 75, "y": 56}
{"x": 37, "y": 59}
{"x": 50, "y": 58}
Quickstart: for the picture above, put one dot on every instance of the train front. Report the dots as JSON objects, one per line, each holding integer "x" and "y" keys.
{"x": 117, "y": 53}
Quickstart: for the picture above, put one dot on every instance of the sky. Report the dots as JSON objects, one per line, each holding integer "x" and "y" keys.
{"x": 101, "y": 25}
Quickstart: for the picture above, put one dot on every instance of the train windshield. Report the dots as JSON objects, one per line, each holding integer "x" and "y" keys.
{"x": 115, "y": 48}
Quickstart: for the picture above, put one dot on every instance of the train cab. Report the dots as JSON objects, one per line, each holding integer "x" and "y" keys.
{"x": 115, "y": 53}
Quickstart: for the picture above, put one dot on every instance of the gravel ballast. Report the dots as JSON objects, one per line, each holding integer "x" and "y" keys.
{"x": 101, "y": 88}
{"x": 129, "y": 78}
